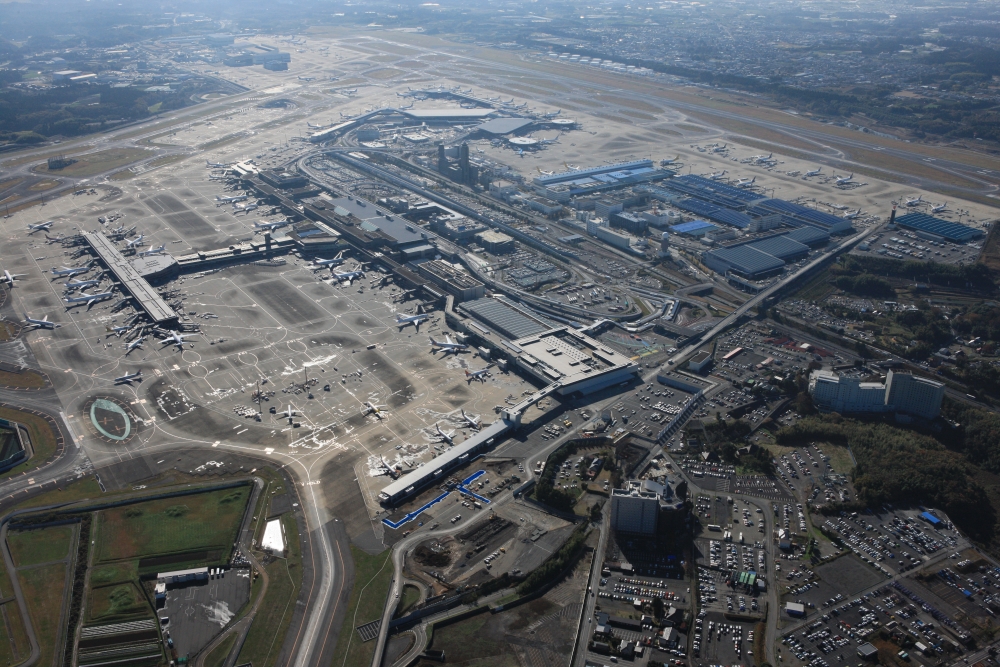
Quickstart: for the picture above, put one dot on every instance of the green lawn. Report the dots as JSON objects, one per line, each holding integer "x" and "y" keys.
{"x": 43, "y": 440}
{"x": 410, "y": 596}
{"x": 465, "y": 642}
{"x": 171, "y": 525}
{"x": 371, "y": 584}
{"x": 118, "y": 603}
{"x": 31, "y": 547}
{"x": 217, "y": 657}
{"x": 275, "y": 613}
{"x": 43, "y": 591}
{"x": 114, "y": 573}
{"x": 96, "y": 163}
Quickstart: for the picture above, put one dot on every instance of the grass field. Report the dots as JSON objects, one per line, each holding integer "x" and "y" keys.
{"x": 99, "y": 162}
{"x": 114, "y": 573}
{"x": 409, "y": 598}
{"x": 44, "y": 545}
{"x": 25, "y": 380}
{"x": 171, "y": 525}
{"x": 465, "y": 642}
{"x": 8, "y": 654}
{"x": 43, "y": 440}
{"x": 43, "y": 591}
{"x": 117, "y": 602}
{"x": 371, "y": 584}
{"x": 275, "y": 614}
{"x": 217, "y": 657}
{"x": 79, "y": 490}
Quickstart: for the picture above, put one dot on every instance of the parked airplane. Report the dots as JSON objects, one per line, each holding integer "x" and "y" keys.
{"x": 845, "y": 180}
{"x": 349, "y": 276}
{"x": 153, "y": 251}
{"x": 289, "y": 412}
{"x": 315, "y": 127}
{"x": 444, "y": 436}
{"x": 552, "y": 114}
{"x": 408, "y": 106}
{"x": 42, "y": 226}
{"x": 81, "y": 284}
{"x": 669, "y": 161}
{"x": 320, "y": 263}
{"x": 42, "y": 323}
{"x": 720, "y": 149}
{"x": 127, "y": 378}
{"x": 137, "y": 343}
{"x": 476, "y": 375}
{"x": 118, "y": 331}
{"x": 176, "y": 339}
{"x": 89, "y": 299}
{"x": 474, "y": 423}
{"x": 243, "y": 209}
{"x": 229, "y": 200}
{"x": 54, "y": 239}
{"x": 9, "y": 277}
{"x": 415, "y": 320}
{"x": 717, "y": 175}
{"x": 915, "y": 202}
{"x": 851, "y": 215}
{"x": 763, "y": 158}
{"x": 745, "y": 182}
{"x": 372, "y": 409}
{"x": 270, "y": 226}
{"x": 215, "y": 165}
{"x": 814, "y": 172}
{"x": 940, "y": 208}
{"x": 448, "y": 345}
{"x": 67, "y": 271}
{"x": 136, "y": 241}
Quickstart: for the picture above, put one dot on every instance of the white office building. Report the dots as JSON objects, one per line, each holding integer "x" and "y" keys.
{"x": 902, "y": 393}
{"x": 913, "y": 394}
{"x": 634, "y": 510}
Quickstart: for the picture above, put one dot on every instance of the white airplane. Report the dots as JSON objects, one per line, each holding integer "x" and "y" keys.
{"x": 9, "y": 277}
{"x": 720, "y": 149}
{"x": 669, "y": 161}
{"x": 474, "y": 423}
{"x": 444, "y": 436}
{"x": 153, "y": 251}
{"x": 118, "y": 331}
{"x": 42, "y": 323}
{"x": 763, "y": 158}
{"x": 176, "y": 338}
{"x": 136, "y": 241}
{"x": 939, "y": 209}
{"x": 408, "y": 106}
{"x": 137, "y": 343}
{"x": 552, "y": 114}
{"x": 717, "y": 175}
{"x": 289, "y": 412}
{"x": 814, "y": 172}
{"x": 319, "y": 262}
{"x": 372, "y": 409}
{"x": 127, "y": 378}
{"x": 845, "y": 180}
{"x": 851, "y": 215}
{"x": 349, "y": 276}
{"x": 745, "y": 182}
{"x": 89, "y": 299}
{"x": 448, "y": 345}
{"x": 270, "y": 226}
{"x": 230, "y": 200}
{"x": 915, "y": 202}
{"x": 215, "y": 165}
{"x": 415, "y": 320}
{"x": 81, "y": 284}
{"x": 54, "y": 239}
{"x": 243, "y": 209}
{"x": 476, "y": 375}
{"x": 67, "y": 271}
{"x": 42, "y": 226}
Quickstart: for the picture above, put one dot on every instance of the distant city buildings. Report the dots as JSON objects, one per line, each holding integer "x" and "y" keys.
{"x": 902, "y": 393}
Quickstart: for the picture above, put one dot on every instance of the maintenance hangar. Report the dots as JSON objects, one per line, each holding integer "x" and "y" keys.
{"x": 575, "y": 362}
{"x": 937, "y": 228}
{"x": 744, "y": 261}
{"x": 782, "y": 247}
{"x": 810, "y": 236}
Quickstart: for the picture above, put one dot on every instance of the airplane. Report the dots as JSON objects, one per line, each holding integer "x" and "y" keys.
{"x": 720, "y": 149}
{"x": 415, "y": 320}
{"x": 66, "y": 271}
{"x": 176, "y": 339}
{"x": 448, "y": 345}
{"x": 315, "y": 127}
{"x": 520, "y": 152}
{"x": 215, "y": 165}
{"x": 745, "y": 183}
{"x": 217, "y": 177}
{"x": 763, "y": 158}
{"x": 851, "y": 215}
{"x": 814, "y": 172}
{"x": 552, "y": 114}
{"x": 319, "y": 262}
{"x": 717, "y": 175}
{"x": 127, "y": 378}
{"x": 42, "y": 323}
{"x": 118, "y": 331}
{"x": 444, "y": 436}
{"x": 408, "y": 106}
{"x": 372, "y": 409}
{"x": 134, "y": 344}
{"x": 270, "y": 226}
{"x": 543, "y": 172}
{"x": 89, "y": 299}
{"x": 474, "y": 423}
{"x": 939, "y": 209}
{"x": 54, "y": 239}
{"x": 81, "y": 284}
{"x": 153, "y": 251}
{"x": 915, "y": 202}
{"x": 845, "y": 180}
{"x": 136, "y": 241}
{"x": 476, "y": 375}
{"x": 42, "y": 226}
{"x": 229, "y": 200}
{"x": 289, "y": 412}
{"x": 244, "y": 209}
{"x": 669, "y": 161}
{"x": 9, "y": 277}
{"x": 349, "y": 276}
